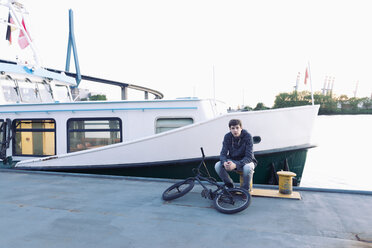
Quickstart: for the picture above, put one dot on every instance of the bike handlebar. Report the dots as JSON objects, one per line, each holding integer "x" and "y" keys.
{"x": 202, "y": 151}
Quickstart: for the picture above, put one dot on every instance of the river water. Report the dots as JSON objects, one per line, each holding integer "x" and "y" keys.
{"x": 342, "y": 159}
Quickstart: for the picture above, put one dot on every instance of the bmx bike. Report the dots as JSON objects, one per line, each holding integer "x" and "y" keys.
{"x": 225, "y": 200}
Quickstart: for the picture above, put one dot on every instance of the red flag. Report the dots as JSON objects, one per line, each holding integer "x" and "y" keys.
{"x": 22, "y": 40}
{"x": 9, "y": 29}
{"x": 306, "y": 76}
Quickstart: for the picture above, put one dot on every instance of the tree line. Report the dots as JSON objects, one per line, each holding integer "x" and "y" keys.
{"x": 329, "y": 104}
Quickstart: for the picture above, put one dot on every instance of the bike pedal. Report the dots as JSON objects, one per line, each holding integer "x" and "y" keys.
{"x": 210, "y": 195}
{"x": 204, "y": 193}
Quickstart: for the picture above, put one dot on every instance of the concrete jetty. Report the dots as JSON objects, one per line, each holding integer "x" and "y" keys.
{"x": 43, "y": 209}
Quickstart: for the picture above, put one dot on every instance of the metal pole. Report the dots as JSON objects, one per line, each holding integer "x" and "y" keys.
{"x": 20, "y": 26}
{"x": 214, "y": 86}
{"x": 311, "y": 84}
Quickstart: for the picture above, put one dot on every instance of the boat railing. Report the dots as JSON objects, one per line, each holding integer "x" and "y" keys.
{"x": 122, "y": 85}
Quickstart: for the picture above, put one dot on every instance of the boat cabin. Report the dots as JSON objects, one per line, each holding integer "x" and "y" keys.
{"x": 38, "y": 116}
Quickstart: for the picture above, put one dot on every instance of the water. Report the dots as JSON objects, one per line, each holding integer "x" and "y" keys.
{"x": 342, "y": 159}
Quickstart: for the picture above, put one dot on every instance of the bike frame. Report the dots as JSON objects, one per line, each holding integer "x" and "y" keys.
{"x": 201, "y": 178}
{"x": 221, "y": 195}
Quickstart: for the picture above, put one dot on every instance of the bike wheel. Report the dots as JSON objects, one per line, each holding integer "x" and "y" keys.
{"x": 238, "y": 200}
{"x": 177, "y": 190}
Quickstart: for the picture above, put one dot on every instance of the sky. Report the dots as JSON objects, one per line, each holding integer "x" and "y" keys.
{"x": 240, "y": 52}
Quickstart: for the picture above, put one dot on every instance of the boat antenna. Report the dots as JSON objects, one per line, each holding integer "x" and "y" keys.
{"x": 311, "y": 84}
{"x": 214, "y": 87}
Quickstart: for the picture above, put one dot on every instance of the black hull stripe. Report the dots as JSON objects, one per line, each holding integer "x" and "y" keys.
{"x": 160, "y": 163}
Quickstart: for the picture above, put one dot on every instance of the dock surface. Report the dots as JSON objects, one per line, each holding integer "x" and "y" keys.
{"x": 64, "y": 210}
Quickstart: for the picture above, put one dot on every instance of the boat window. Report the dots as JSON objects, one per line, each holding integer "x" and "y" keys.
{"x": 34, "y": 137}
{"x": 61, "y": 93}
{"x": 10, "y": 90}
{"x": 92, "y": 133}
{"x": 45, "y": 92}
{"x": 29, "y": 91}
{"x": 166, "y": 124}
{"x": 256, "y": 139}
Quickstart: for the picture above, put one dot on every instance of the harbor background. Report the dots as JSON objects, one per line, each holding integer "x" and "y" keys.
{"x": 241, "y": 53}
{"x": 341, "y": 159}
{"x": 247, "y": 48}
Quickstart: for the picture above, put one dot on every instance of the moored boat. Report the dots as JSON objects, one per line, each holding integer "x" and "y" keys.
{"x": 44, "y": 128}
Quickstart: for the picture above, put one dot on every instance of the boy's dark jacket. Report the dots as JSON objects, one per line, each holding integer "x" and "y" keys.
{"x": 239, "y": 150}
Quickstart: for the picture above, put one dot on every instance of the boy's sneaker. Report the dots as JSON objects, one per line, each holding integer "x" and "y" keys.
{"x": 229, "y": 185}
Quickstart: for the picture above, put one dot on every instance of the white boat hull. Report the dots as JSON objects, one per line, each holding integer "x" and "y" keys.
{"x": 279, "y": 129}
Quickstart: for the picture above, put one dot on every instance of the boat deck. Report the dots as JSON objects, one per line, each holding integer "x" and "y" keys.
{"x": 42, "y": 209}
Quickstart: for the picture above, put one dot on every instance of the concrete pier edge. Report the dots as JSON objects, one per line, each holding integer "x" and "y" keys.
{"x": 150, "y": 179}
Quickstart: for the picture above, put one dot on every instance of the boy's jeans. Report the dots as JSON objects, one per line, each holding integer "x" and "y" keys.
{"x": 248, "y": 171}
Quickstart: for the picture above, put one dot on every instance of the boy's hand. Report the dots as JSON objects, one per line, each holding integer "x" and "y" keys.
{"x": 229, "y": 165}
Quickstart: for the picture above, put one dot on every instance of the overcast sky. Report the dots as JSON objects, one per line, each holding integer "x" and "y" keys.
{"x": 256, "y": 48}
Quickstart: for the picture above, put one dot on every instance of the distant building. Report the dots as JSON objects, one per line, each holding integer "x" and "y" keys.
{"x": 79, "y": 93}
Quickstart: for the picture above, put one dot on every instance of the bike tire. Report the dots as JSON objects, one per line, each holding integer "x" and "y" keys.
{"x": 178, "y": 189}
{"x": 242, "y": 200}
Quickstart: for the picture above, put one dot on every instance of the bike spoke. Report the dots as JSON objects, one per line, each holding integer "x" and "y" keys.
{"x": 178, "y": 189}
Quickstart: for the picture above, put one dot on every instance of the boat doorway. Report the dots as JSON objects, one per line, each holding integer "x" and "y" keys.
{"x": 5, "y": 138}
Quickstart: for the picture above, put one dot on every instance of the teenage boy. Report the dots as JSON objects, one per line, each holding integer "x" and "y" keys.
{"x": 236, "y": 154}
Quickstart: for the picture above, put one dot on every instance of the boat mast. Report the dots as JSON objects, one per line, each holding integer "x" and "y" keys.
{"x": 15, "y": 7}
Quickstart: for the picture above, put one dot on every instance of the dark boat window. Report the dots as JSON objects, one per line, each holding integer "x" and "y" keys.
{"x": 256, "y": 139}
{"x": 166, "y": 124}
{"x": 34, "y": 137}
{"x": 91, "y": 133}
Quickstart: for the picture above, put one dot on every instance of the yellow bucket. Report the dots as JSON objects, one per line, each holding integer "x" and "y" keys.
{"x": 285, "y": 182}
